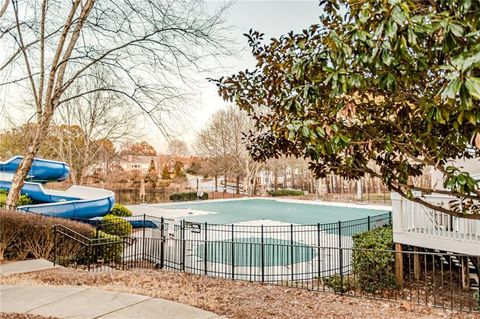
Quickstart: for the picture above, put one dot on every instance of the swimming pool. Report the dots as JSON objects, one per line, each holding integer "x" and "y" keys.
{"x": 271, "y": 239}
{"x": 291, "y": 212}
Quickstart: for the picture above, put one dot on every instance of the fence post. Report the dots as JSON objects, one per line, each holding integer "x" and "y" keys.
{"x": 263, "y": 255}
{"x": 368, "y": 220}
{"x": 143, "y": 237}
{"x": 390, "y": 217}
{"x": 54, "y": 244}
{"x": 233, "y": 252}
{"x": 291, "y": 252}
{"x": 318, "y": 250}
{"x": 340, "y": 255}
{"x": 183, "y": 245}
{"x": 399, "y": 264}
{"x": 206, "y": 250}
{"x": 96, "y": 247}
{"x": 162, "y": 243}
{"x": 478, "y": 275}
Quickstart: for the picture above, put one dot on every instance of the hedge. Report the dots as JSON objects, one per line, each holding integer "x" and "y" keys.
{"x": 23, "y": 200}
{"x": 286, "y": 192}
{"x": 120, "y": 210}
{"x": 26, "y": 235}
{"x": 109, "y": 250}
{"x": 373, "y": 269}
{"x": 188, "y": 196}
{"x": 115, "y": 225}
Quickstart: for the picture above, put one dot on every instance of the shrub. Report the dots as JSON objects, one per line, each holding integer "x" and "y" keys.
{"x": 109, "y": 248}
{"x": 23, "y": 200}
{"x": 120, "y": 210}
{"x": 187, "y": 196}
{"x": 26, "y": 235}
{"x": 374, "y": 269}
{"x": 286, "y": 192}
{"x": 115, "y": 225}
{"x": 335, "y": 282}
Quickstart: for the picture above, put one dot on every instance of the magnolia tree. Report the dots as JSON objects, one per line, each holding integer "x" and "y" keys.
{"x": 389, "y": 88}
{"x": 146, "y": 46}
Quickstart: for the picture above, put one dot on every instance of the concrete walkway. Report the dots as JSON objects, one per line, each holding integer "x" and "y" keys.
{"x": 84, "y": 302}
{"x": 25, "y": 266}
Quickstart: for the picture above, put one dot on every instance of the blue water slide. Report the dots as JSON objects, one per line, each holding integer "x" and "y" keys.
{"x": 42, "y": 170}
{"x": 75, "y": 202}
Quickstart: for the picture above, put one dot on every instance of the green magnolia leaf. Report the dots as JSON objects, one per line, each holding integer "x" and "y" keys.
{"x": 305, "y": 131}
{"x": 456, "y": 29}
{"x": 320, "y": 132}
{"x": 473, "y": 86}
{"x": 465, "y": 5}
{"x": 452, "y": 89}
{"x": 391, "y": 29}
{"x": 412, "y": 37}
{"x": 387, "y": 58}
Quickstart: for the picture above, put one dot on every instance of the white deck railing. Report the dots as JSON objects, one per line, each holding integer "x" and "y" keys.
{"x": 413, "y": 218}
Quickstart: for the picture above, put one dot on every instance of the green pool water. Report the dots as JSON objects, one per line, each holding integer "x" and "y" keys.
{"x": 236, "y": 211}
{"x": 248, "y": 252}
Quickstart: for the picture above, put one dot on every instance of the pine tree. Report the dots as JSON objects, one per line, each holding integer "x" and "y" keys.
{"x": 178, "y": 170}
{"x": 152, "y": 175}
{"x": 165, "y": 173}
{"x": 152, "y": 168}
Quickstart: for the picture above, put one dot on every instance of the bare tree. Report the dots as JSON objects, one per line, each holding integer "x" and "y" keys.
{"x": 101, "y": 116}
{"x": 147, "y": 46}
{"x": 3, "y": 8}
{"x": 222, "y": 142}
{"x": 177, "y": 148}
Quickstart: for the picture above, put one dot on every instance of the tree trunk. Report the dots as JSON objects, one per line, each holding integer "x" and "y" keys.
{"x": 73, "y": 175}
{"x": 86, "y": 160}
{"x": 293, "y": 178}
{"x": 238, "y": 185}
{"x": 302, "y": 178}
{"x": 275, "y": 180}
{"x": 216, "y": 183}
{"x": 24, "y": 167}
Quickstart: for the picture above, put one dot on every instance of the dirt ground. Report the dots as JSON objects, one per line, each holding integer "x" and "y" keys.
{"x": 235, "y": 299}
{"x": 4, "y": 315}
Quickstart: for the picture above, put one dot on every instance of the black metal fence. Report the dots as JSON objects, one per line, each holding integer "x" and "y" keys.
{"x": 336, "y": 234}
{"x": 315, "y": 257}
{"x": 128, "y": 196}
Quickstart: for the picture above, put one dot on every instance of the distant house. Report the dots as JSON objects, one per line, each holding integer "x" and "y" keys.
{"x": 136, "y": 163}
{"x": 141, "y": 162}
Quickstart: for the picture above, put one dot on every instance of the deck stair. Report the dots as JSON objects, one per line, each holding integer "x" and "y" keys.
{"x": 448, "y": 258}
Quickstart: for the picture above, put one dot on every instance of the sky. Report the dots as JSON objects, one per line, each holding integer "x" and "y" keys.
{"x": 272, "y": 17}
